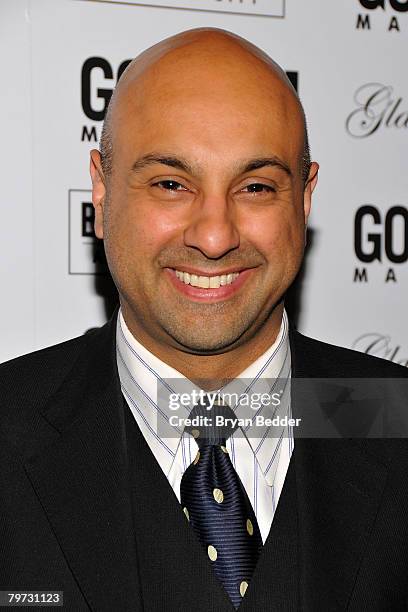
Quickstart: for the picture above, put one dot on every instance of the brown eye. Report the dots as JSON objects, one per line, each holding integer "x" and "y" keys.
{"x": 169, "y": 185}
{"x": 259, "y": 187}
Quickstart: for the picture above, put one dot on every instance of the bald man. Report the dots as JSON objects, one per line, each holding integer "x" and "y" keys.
{"x": 127, "y": 501}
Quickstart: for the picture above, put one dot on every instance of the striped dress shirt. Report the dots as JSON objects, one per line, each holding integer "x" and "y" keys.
{"x": 260, "y": 460}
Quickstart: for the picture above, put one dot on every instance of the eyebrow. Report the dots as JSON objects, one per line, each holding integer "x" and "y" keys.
{"x": 182, "y": 164}
{"x": 158, "y": 158}
{"x": 261, "y": 162}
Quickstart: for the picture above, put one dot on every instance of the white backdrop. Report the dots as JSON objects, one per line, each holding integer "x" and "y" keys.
{"x": 60, "y": 60}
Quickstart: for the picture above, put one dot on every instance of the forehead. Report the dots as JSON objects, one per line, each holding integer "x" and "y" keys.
{"x": 224, "y": 105}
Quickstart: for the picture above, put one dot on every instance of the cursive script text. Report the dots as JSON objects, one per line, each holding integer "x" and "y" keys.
{"x": 376, "y": 107}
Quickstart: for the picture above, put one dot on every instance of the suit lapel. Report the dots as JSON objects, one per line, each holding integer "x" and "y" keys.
{"x": 80, "y": 478}
{"x": 339, "y": 489}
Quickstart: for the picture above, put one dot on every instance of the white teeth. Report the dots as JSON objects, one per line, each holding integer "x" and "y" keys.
{"x": 206, "y": 282}
{"x": 215, "y": 282}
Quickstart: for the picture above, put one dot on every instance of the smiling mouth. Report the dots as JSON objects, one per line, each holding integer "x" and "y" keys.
{"x": 206, "y": 282}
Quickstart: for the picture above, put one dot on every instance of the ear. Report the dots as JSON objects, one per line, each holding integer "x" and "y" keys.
{"x": 309, "y": 188}
{"x": 98, "y": 190}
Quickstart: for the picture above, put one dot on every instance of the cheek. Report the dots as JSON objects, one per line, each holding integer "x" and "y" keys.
{"x": 140, "y": 228}
{"x": 278, "y": 235}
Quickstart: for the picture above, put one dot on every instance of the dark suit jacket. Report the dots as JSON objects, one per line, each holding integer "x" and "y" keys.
{"x": 85, "y": 508}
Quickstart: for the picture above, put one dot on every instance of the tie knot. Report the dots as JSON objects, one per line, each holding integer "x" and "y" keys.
{"x": 212, "y": 422}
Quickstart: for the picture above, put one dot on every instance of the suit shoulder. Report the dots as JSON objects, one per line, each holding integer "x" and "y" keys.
{"x": 339, "y": 361}
{"x": 34, "y": 377}
{"x": 33, "y": 382}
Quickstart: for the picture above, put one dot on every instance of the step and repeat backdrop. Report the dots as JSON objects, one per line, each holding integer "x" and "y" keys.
{"x": 61, "y": 60}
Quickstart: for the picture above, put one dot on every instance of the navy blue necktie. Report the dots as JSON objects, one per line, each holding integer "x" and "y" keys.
{"x": 217, "y": 506}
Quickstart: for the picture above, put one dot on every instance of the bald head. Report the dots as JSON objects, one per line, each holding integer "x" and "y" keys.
{"x": 203, "y": 214}
{"x": 201, "y": 61}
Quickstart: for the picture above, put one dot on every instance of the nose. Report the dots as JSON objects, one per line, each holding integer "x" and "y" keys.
{"x": 212, "y": 229}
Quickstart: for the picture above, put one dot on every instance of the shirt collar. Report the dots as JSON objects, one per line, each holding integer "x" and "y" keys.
{"x": 141, "y": 373}
{"x": 269, "y": 374}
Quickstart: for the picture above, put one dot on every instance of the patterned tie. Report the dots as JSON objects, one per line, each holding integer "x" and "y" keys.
{"x": 217, "y": 505}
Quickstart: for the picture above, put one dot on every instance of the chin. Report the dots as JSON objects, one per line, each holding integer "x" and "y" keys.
{"x": 203, "y": 344}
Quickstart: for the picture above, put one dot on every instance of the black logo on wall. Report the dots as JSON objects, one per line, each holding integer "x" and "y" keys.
{"x": 380, "y": 237}
{"x": 86, "y": 253}
{"x": 98, "y": 80}
{"x": 391, "y": 10}
{"x": 376, "y": 107}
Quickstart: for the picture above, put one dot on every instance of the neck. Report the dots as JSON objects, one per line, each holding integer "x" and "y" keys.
{"x": 211, "y": 371}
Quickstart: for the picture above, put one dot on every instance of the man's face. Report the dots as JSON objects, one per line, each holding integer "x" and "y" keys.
{"x": 204, "y": 219}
